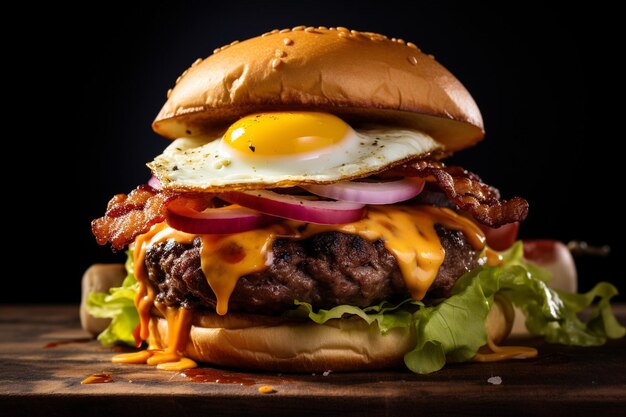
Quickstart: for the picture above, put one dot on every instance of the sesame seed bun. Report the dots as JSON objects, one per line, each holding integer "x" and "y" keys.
{"x": 279, "y": 344}
{"x": 360, "y": 76}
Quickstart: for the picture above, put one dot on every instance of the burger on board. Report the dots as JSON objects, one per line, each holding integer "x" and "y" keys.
{"x": 302, "y": 219}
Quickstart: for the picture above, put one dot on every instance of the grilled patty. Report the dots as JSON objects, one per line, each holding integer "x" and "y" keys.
{"x": 325, "y": 270}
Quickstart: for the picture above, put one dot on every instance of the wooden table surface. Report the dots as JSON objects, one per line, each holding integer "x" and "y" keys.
{"x": 39, "y": 380}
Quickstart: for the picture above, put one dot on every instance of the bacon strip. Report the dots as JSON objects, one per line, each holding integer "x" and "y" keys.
{"x": 129, "y": 216}
{"x": 466, "y": 191}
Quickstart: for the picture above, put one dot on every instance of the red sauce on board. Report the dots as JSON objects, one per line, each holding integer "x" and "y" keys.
{"x": 222, "y": 376}
{"x": 218, "y": 376}
{"x": 66, "y": 342}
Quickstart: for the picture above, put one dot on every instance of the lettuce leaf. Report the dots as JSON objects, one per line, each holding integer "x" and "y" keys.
{"x": 550, "y": 313}
{"x": 387, "y": 315}
{"x": 119, "y": 306}
{"x": 454, "y": 329}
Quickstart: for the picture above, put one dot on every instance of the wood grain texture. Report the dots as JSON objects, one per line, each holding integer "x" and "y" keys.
{"x": 46, "y": 381}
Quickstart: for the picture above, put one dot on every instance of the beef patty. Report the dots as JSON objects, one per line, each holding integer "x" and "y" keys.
{"x": 325, "y": 270}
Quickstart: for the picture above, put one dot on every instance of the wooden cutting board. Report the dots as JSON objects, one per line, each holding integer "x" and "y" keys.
{"x": 44, "y": 356}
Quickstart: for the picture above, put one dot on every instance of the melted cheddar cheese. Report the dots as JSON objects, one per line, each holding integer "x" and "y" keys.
{"x": 407, "y": 232}
{"x": 225, "y": 258}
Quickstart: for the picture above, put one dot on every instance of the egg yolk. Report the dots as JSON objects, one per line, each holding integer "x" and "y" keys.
{"x": 285, "y": 133}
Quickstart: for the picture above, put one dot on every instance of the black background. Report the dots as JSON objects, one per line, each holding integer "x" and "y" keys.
{"x": 88, "y": 87}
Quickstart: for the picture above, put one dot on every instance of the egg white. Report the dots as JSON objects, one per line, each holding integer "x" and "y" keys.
{"x": 193, "y": 164}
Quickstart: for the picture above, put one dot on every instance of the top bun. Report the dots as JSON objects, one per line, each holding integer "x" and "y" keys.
{"x": 362, "y": 77}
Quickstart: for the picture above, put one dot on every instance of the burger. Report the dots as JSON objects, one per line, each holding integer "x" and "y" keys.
{"x": 302, "y": 219}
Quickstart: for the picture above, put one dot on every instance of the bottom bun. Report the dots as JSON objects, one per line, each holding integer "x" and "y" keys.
{"x": 276, "y": 344}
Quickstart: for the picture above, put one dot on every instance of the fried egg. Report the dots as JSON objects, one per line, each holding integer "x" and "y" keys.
{"x": 281, "y": 149}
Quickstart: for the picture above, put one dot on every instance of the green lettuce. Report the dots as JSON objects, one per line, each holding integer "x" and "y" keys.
{"x": 454, "y": 329}
{"x": 119, "y": 306}
{"x": 451, "y": 330}
{"x": 386, "y": 315}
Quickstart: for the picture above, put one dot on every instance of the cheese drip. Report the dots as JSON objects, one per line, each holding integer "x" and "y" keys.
{"x": 178, "y": 319}
{"x": 144, "y": 299}
{"x": 225, "y": 258}
{"x": 409, "y": 234}
{"x": 171, "y": 358}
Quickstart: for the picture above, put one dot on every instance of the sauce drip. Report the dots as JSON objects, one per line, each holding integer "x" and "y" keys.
{"x": 99, "y": 378}
{"x": 493, "y": 258}
{"x": 171, "y": 358}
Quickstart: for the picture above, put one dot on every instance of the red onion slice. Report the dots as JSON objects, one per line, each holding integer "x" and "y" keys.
{"x": 384, "y": 192}
{"x": 183, "y": 216}
{"x": 296, "y": 207}
{"x": 154, "y": 183}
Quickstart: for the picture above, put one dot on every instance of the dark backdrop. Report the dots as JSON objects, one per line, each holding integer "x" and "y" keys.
{"x": 92, "y": 82}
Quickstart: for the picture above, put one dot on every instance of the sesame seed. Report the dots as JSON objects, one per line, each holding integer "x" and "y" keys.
{"x": 431, "y": 56}
{"x": 354, "y": 32}
{"x": 276, "y": 63}
{"x": 342, "y": 29}
{"x": 376, "y": 37}
{"x": 287, "y": 41}
{"x": 178, "y": 79}
{"x": 322, "y": 28}
{"x": 285, "y": 30}
{"x": 234, "y": 43}
{"x": 332, "y": 28}
{"x": 275, "y": 31}
{"x": 196, "y": 62}
{"x": 216, "y": 50}
{"x": 279, "y": 53}
{"x": 169, "y": 93}
{"x": 411, "y": 45}
{"x": 184, "y": 73}
{"x": 265, "y": 34}
{"x": 344, "y": 34}
{"x": 297, "y": 28}
{"x": 412, "y": 59}
{"x": 394, "y": 40}
{"x": 401, "y": 41}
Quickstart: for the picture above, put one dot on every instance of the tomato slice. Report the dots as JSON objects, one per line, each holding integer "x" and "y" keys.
{"x": 501, "y": 238}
